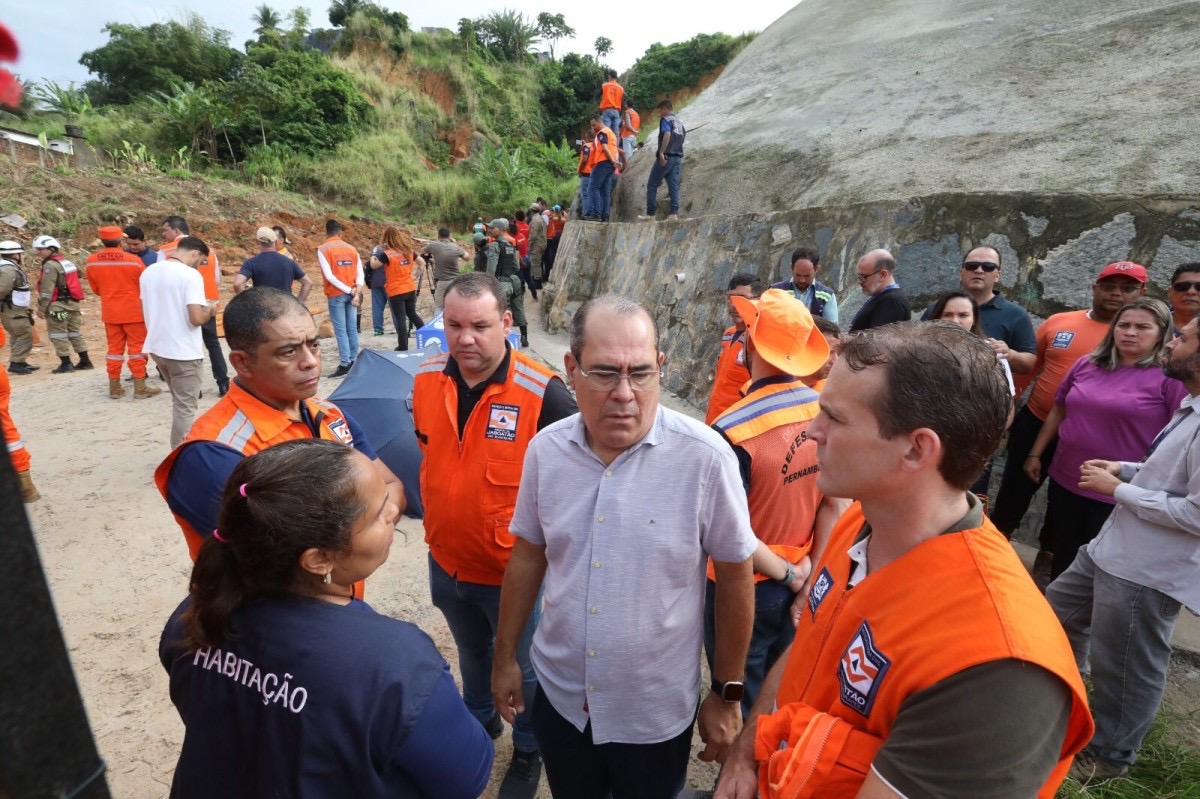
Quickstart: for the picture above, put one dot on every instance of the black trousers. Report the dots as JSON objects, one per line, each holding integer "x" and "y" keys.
{"x": 1016, "y": 489}
{"x": 577, "y": 768}
{"x": 1072, "y": 522}
{"x": 212, "y": 342}
{"x": 404, "y": 307}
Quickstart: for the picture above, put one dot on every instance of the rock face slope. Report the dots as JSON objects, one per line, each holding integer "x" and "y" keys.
{"x": 850, "y": 101}
{"x": 1061, "y": 132}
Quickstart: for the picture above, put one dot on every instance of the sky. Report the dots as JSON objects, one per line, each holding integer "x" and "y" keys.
{"x": 53, "y": 35}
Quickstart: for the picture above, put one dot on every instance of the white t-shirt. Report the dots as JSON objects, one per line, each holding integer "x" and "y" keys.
{"x": 168, "y": 288}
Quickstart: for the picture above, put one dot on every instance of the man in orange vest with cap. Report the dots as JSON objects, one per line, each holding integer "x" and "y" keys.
{"x": 731, "y": 373}
{"x": 605, "y": 158}
{"x": 768, "y": 430}
{"x": 926, "y": 662}
{"x": 113, "y": 275}
{"x": 12, "y": 439}
{"x": 274, "y": 351}
{"x": 174, "y": 229}
{"x": 476, "y": 408}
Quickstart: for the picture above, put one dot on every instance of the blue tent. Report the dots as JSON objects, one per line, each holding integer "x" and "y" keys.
{"x": 378, "y": 394}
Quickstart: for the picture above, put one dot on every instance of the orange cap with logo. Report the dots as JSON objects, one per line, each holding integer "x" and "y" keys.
{"x": 783, "y": 333}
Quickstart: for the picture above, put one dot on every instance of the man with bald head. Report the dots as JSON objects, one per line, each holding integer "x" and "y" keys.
{"x": 886, "y": 302}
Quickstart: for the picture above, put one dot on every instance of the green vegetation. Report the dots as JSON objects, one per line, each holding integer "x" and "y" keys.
{"x": 1166, "y": 769}
{"x": 368, "y": 114}
{"x": 664, "y": 69}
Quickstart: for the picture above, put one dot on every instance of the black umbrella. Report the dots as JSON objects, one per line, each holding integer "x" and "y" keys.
{"x": 378, "y": 394}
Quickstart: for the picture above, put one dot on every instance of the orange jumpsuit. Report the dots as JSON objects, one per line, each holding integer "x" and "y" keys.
{"x": 113, "y": 275}
{"x": 12, "y": 438}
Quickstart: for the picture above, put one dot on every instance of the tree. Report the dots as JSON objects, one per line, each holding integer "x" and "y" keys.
{"x": 552, "y": 27}
{"x": 507, "y": 34}
{"x": 342, "y": 10}
{"x": 603, "y": 46}
{"x": 568, "y": 95}
{"x": 663, "y": 69}
{"x": 138, "y": 61}
{"x": 266, "y": 20}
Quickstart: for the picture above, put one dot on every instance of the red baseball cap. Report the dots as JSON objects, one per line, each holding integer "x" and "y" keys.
{"x": 1126, "y": 269}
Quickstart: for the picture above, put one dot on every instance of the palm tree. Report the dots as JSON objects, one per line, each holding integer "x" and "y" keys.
{"x": 267, "y": 19}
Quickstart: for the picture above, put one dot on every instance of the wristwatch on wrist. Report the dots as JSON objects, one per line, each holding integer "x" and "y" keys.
{"x": 731, "y": 691}
{"x": 788, "y": 576}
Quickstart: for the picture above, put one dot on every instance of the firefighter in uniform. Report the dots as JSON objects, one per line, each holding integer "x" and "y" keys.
{"x": 503, "y": 264}
{"x": 16, "y": 315}
{"x": 60, "y": 295}
{"x": 114, "y": 275}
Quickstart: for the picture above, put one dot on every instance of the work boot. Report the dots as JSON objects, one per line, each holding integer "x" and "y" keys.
{"x": 21, "y": 368}
{"x": 64, "y": 367}
{"x": 115, "y": 389}
{"x": 525, "y": 337}
{"x": 142, "y": 391}
{"x": 84, "y": 362}
{"x": 29, "y": 491}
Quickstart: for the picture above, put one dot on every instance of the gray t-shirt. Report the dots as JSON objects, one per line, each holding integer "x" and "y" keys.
{"x": 446, "y": 255}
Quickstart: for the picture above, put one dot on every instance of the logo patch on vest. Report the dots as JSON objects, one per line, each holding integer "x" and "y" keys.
{"x": 819, "y": 589}
{"x": 1062, "y": 339}
{"x": 342, "y": 431}
{"x": 861, "y": 671}
{"x": 502, "y": 422}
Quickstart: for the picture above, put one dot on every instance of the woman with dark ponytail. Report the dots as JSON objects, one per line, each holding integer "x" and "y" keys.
{"x": 286, "y": 684}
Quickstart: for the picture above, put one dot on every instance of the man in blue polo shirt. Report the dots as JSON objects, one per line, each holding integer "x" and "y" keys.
{"x": 271, "y": 268}
{"x": 1006, "y": 324}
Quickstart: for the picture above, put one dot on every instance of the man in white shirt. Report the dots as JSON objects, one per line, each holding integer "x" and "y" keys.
{"x": 175, "y": 307}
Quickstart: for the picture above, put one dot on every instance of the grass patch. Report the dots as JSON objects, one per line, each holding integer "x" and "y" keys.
{"x": 1166, "y": 769}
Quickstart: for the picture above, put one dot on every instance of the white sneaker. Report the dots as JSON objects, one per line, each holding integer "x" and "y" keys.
{"x": 645, "y": 218}
{"x": 672, "y": 217}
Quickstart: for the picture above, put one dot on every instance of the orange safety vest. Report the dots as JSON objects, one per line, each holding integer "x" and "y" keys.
{"x": 730, "y": 376}
{"x": 343, "y": 262}
{"x": 585, "y": 158}
{"x": 209, "y": 268}
{"x": 399, "y": 273}
{"x": 611, "y": 96}
{"x": 606, "y": 149}
{"x": 113, "y": 276}
{"x": 635, "y": 124}
{"x": 469, "y": 485}
{"x": 771, "y": 425}
{"x": 245, "y": 423}
{"x": 953, "y": 602}
{"x": 554, "y": 227}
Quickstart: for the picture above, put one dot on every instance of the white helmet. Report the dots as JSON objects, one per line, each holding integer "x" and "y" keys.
{"x": 46, "y": 242}
{"x": 11, "y": 248}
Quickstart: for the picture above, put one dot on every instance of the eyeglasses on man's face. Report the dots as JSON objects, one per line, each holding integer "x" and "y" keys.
{"x": 975, "y": 266}
{"x": 607, "y": 380}
{"x": 864, "y": 278}
{"x": 1184, "y": 285}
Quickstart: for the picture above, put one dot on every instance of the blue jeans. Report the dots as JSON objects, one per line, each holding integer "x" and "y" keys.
{"x": 379, "y": 301}
{"x": 1127, "y": 628}
{"x": 773, "y": 632}
{"x": 471, "y": 612}
{"x": 344, "y": 318}
{"x": 611, "y": 117}
{"x": 585, "y": 195}
{"x": 657, "y": 173}
{"x": 601, "y": 188}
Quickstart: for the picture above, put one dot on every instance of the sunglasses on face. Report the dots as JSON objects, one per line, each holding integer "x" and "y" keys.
{"x": 1185, "y": 285}
{"x": 974, "y": 266}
